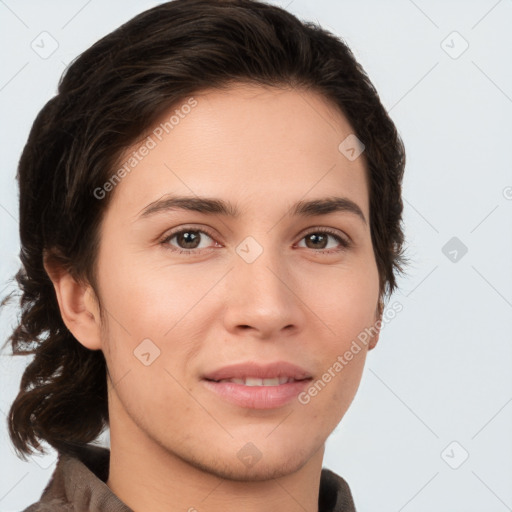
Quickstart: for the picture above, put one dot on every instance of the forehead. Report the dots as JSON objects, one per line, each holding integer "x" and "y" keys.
{"x": 249, "y": 143}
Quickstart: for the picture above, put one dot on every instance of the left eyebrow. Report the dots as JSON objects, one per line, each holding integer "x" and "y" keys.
{"x": 207, "y": 205}
{"x": 328, "y": 205}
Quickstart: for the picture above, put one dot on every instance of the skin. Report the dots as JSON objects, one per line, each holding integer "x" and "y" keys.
{"x": 174, "y": 443}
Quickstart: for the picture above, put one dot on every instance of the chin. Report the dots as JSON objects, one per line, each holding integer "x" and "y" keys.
{"x": 243, "y": 461}
{"x": 260, "y": 471}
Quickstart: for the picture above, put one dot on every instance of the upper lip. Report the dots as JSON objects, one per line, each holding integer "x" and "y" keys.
{"x": 258, "y": 370}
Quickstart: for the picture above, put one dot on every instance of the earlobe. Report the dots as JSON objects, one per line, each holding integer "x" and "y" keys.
{"x": 378, "y": 324}
{"x": 78, "y": 307}
{"x": 373, "y": 342}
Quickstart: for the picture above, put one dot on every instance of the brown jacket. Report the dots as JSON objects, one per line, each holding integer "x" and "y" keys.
{"x": 78, "y": 485}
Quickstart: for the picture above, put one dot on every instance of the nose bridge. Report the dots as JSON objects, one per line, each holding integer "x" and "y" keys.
{"x": 260, "y": 288}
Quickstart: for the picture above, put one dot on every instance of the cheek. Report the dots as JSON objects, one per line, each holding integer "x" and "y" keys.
{"x": 344, "y": 298}
{"x": 330, "y": 394}
{"x": 149, "y": 296}
{"x": 155, "y": 313}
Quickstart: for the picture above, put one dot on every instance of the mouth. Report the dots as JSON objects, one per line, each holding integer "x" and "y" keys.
{"x": 253, "y": 386}
{"x": 255, "y": 381}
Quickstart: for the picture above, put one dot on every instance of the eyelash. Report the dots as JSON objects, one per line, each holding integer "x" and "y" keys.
{"x": 345, "y": 243}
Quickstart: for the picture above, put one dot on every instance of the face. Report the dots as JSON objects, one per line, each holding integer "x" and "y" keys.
{"x": 193, "y": 290}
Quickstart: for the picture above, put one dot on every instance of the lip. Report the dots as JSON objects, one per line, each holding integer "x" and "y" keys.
{"x": 261, "y": 371}
{"x": 258, "y": 397}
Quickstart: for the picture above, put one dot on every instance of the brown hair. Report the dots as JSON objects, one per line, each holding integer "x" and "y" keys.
{"x": 107, "y": 98}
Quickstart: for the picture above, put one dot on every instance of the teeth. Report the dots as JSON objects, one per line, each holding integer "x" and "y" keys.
{"x": 254, "y": 381}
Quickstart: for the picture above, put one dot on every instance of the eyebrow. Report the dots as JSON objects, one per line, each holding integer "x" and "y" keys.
{"x": 214, "y": 206}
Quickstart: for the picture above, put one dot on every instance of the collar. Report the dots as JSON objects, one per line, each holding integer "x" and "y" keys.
{"x": 79, "y": 479}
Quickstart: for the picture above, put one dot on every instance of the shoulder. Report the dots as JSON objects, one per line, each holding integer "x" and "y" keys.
{"x": 335, "y": 494}
{"x": 77, "y": 481}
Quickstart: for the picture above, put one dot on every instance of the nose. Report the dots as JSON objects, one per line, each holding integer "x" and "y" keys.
{"x": 262, "y": 297}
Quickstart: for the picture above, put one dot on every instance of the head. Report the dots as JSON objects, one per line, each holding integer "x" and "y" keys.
{"x": 241, "y": 102}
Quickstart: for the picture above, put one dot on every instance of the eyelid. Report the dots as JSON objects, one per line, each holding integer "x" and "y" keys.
{"x": 345, "y": 240}
{"x": 330, "y": 231}
{"x": 201, "y": 229}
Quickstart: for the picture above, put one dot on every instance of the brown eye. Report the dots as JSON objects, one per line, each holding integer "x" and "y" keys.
{"x": 187, "y": 240}
{"x": 319, "y": 240}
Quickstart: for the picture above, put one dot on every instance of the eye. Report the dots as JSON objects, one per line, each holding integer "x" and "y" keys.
{"x": 318, "y": 240}
{"x": 188, "y": 240}
{"x": 193, "y": 241}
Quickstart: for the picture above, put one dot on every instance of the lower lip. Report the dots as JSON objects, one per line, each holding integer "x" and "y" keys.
{"x": 258, "y": 397}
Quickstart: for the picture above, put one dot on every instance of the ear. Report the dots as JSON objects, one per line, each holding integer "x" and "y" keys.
{"x": 78, "y": 306}
{"x": 378, "y": 324}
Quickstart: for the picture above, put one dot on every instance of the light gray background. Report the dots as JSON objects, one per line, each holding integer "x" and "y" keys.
{"x": 442, "y": 370}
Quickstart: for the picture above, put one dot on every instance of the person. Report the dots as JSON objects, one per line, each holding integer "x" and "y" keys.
{"x": 210, "y": 216}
